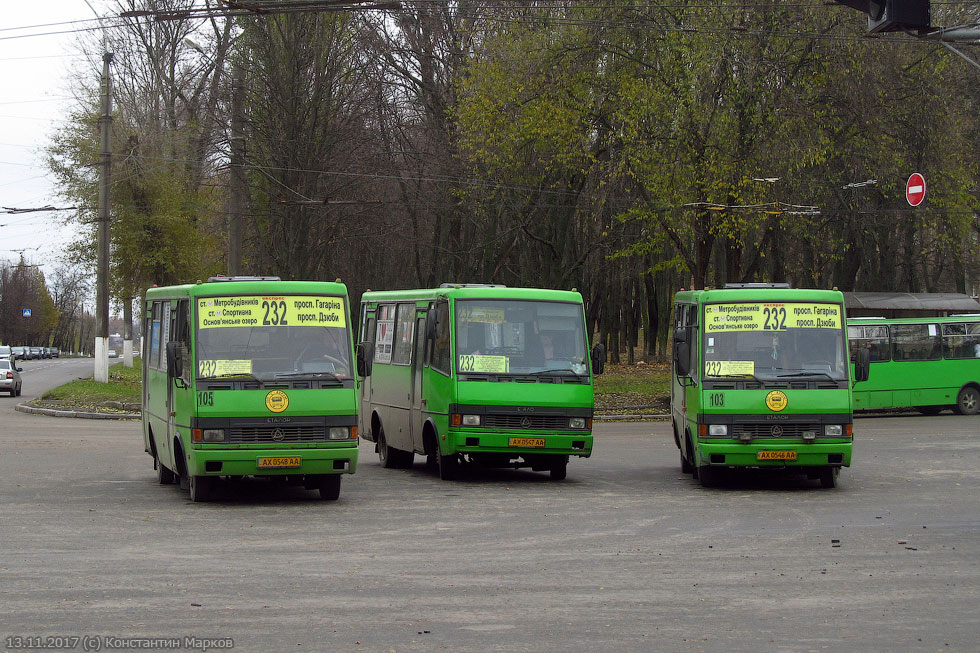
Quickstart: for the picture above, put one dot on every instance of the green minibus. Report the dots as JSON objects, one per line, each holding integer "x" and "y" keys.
{"x": 484, "y": 374}
{"x": 926, "y": 363}
{"x": 249, "y": 376}
{"x": 761, "y": 380}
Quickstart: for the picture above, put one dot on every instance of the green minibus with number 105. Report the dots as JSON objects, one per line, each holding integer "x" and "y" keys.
{"x": 761, "y": 379}
{"x": 249, "y": 376}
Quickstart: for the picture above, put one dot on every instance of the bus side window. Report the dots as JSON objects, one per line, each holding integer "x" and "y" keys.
{"x": 441, "y": 359}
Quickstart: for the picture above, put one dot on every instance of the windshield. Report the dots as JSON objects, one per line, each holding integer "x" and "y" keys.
{"x": 499, "y": 336}
{"x": 773, "y": 340}
{"x": 272, "y": 337}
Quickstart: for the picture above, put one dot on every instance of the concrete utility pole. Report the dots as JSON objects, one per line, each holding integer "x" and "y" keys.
{"x": 237, "y": 187}
{"x": 102, "y": 282}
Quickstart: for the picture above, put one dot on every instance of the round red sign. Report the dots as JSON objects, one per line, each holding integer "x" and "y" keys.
{"x": 915, "y": 189}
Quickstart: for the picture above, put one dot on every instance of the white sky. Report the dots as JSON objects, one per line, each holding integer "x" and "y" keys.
{"x": 34, "y": 100}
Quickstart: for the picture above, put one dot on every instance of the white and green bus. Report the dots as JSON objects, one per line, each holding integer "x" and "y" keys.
{"x": 489, "y": 375}
{"x": 249, "y": 376}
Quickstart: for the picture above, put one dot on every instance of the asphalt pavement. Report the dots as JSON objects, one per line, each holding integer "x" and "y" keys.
{"x": 627, "y": 554}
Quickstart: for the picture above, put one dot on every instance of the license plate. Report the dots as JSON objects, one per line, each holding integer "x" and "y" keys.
{"x": 525, "y": 442}
{"x": 280, "y": 462}
{"x": 775, "y": 455}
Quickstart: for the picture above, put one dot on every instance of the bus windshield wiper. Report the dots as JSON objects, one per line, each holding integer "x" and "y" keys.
{"x": 796, "y": 374}
{"x": 737, "y": 376}
{"x": 232, "y": 375}
{"x": 315, "y": 375}
{"x": 560, "y": 372}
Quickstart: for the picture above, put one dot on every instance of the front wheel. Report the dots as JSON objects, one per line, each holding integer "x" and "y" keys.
{"x": 559, "y": 468}
{"x": 686, "y": 466}
{"x": 330, "y": 487}
{"x": 448, "y": 464}
{"x": 708, "y": 475}
{"x": 200, "y": 488}
{"x": 829, "y": 477}
{"x": 968, "y": 401}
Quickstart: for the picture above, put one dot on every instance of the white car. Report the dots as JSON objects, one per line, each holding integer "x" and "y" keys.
{"x": 10, "y": 379}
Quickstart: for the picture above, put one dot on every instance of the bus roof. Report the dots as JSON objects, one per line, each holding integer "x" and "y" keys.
{"x": 473, "y": 292}
{"x": 914, "y": 320}
{"x": 759, "y": 295}
{"x": 250, "y": 287}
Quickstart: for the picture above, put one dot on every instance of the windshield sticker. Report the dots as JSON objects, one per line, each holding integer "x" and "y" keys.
{"x": 279, "y": 310}
{"x": 729, "y": 368}
{"x": 384, "y": 340}
{"x": 485, "y": 364}
{"x": 771, "y": 316}
{"x": 482, "y": 314}
{"x": 223, "y": 367}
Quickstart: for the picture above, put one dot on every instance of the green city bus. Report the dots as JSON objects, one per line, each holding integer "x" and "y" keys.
{"x": 249, "y": 376}
{"x": 761, "y": 380}
{"x": 926, "y": 363}
{"x": 494, "y": 376}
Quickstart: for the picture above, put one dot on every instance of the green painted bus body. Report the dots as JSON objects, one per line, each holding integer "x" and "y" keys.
{"x": 795, "y": 411}
{"x": 419, "y": 380}
{"x": 929, "y": 363}
{"x": 283, "y": 422}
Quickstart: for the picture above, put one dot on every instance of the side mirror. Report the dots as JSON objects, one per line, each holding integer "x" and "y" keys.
{"x": 680, "y": 335}
{"x": 862, "y": 365}
{"x": 365, "y": 358}
{"x": 682, "y": 358}
{"x": 598, "y": 358}
{"x": 175, "y": 362}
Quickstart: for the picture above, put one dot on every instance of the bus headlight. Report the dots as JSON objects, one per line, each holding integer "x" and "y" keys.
{"x": 576, "y": 423}
{"x": 213, "y": 435}
{"x": 833, "y": 430}
{"x": 717, "y": 430}
{"x": 338, "y": 433}
{"x": 471, "y": 420}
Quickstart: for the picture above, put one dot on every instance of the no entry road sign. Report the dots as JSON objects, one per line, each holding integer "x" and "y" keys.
{"x": 915, "y": 189}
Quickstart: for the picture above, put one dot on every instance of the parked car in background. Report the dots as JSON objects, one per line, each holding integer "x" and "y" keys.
{"x": 7, "y": 352}
{"x": 21, "y": 353}
{"x": 10, "y": 380}
{"x": 36, "y": 352}
{"x": 55, "y": 352}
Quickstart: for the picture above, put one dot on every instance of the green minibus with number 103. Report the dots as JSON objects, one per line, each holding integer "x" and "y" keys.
{"x": 761, "y": 379}
{"x": 249, "y": 376}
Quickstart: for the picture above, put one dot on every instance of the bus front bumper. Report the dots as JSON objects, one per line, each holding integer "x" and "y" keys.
{"x": 272, "y": 462}
{"x": 520, "y": 443}
{"x": 735, "y": 454}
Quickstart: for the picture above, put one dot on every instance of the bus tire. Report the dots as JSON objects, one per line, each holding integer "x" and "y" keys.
{"x": 330, "y": 487}
{"x": 708, "y": 475}
{"x": 559, "y": 468}
{"x": 829, "y": 477}
{"x": 164, "y": 475}
{"x": 968, "y": 401}
{"x": 200, "y": 488}
{"x": 692, "y": 467}
{"x": 686, "y": 467}
{"x": 448, "y": 465}
{"x": 384, "y": 451}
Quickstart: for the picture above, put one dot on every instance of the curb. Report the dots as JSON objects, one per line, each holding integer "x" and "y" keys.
{"x": 626, "y": 418}
{"x": 51, "y": 412}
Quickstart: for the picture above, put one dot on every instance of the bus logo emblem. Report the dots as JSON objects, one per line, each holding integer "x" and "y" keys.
{"x": 777, "y": 431}
{"x": 278, "y": 435}
{"x": 276, "y": 401}
{"x": 525, "y": 423}
{"x": 776, "y": 400}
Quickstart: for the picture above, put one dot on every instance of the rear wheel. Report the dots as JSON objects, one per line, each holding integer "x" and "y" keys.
{"x": 330, "y": 487}
{"x": 390, "y": 457}
{"x": 200, "y": 488}
{"x": 829, "y": 477}
{"x": 968, "y": 401}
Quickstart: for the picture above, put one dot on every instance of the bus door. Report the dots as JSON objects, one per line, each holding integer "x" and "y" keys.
{"x": 418, "y": 402}
{"x": 167, "y": 319}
